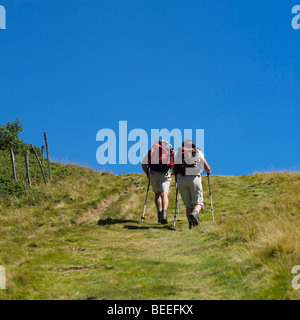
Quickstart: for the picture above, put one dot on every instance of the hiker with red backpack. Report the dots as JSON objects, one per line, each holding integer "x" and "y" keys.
{"x": 157, "y": 165}
{"x": 189, "y": 163}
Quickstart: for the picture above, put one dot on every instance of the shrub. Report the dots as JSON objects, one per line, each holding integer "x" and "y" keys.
{"x": 9, "y": 137}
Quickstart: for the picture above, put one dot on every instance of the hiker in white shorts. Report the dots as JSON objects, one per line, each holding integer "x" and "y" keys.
{"x": 157, "y": 165}
{"x": 189, "y": 163}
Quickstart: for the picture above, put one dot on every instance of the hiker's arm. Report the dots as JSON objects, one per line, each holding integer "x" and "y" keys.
{"x": 145, "y": 168}
{"x": 206, "y": 167}
{"x": 176, "y": 161}
{"x": 144, "y": 165}
{"x": 175, "y": 171}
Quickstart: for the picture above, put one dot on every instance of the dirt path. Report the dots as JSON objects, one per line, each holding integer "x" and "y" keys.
{"x": 93, "y": 214}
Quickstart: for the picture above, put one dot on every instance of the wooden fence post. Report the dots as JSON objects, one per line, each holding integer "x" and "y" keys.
{"x": 13, "y": 164}
{"x": 27, "y": 168}
{"x": 37, "y": 158}
{"x": 48, "y": 158}
{"x": 43, "y": 154}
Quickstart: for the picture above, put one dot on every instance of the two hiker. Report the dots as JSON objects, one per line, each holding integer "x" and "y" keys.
{"x": 187, "y": 167}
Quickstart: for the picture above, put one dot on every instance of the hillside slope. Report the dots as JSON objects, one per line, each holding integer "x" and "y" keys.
{"x": 81, "y": 237}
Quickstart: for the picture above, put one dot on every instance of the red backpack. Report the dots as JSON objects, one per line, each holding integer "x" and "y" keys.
{"x": 161, "y": 157}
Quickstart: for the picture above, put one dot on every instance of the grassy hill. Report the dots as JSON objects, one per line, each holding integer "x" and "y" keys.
{"x": 81, "y": 237}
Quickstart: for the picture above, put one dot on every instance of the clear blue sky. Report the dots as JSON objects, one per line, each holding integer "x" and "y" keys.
{"x": 231, "y": 67}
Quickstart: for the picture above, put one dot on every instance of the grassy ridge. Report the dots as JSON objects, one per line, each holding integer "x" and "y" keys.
{"x": 81, "y": 237}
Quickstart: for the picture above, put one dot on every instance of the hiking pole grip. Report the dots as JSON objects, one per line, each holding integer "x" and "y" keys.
{"x": 211, "y": 202}
{"x": 143, "y": 216}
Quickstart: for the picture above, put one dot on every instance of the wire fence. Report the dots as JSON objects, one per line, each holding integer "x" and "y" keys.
{"x": 28, "y": 166}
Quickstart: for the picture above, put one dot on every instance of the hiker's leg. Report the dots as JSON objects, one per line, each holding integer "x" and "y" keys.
{"x": 198, "y": 207}
{"x": 188, "y": 212}
{"x": 155, "y": 180}
{"x": 164, "y": 205}
{"x": 165, "y": 200}
{"x": 195, "y": 189}
{"x": 158, "y": 201}
{"x": 164, "y": 189}
{"x": 188, "y": 215}
{"x": 185, "y": 193}
{"x": 195, "y": 214}
{"x": 197, "y": 193}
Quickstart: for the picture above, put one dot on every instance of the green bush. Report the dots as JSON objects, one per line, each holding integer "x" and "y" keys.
{"x": 10, "y": 187}
{"x": 9, "y": 137}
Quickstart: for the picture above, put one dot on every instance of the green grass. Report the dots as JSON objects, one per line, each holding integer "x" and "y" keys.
{"x": 81, "y": 237}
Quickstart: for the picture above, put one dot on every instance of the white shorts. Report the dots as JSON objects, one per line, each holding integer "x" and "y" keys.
{"x": 160, "y": 181}
{"x": 190, "y": 188}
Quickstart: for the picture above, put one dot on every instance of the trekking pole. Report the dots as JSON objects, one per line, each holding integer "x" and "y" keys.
{"x": 143, "y": 216}
{"x": 178, "y": 208}
{"x": 176, "y": 203}
{"x": 211, "y": 203}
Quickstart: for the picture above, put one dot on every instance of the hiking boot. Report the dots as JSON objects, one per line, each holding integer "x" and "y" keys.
{"x": 191, "y": 224}
{"x": 159, "y": 216}
{"x": 164, "y": 217}
{"x": 195, "y": 217}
